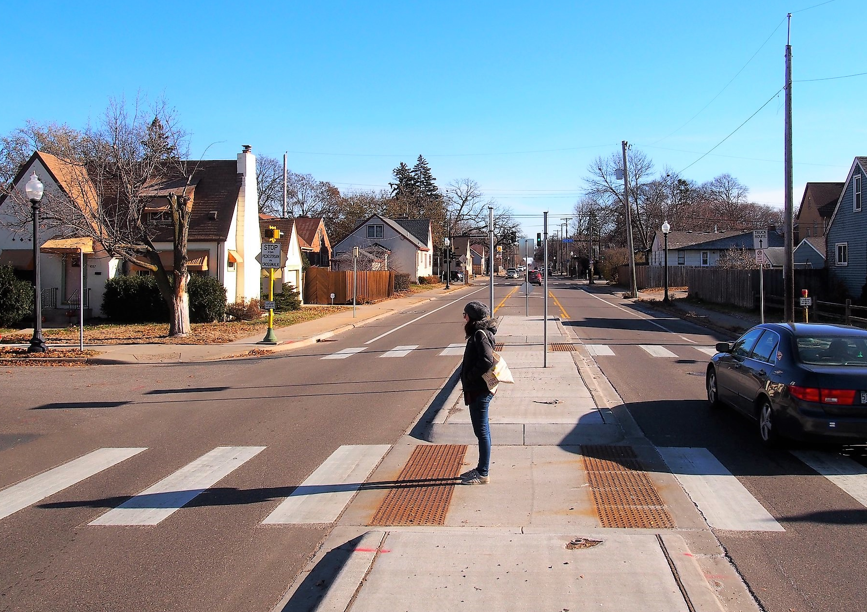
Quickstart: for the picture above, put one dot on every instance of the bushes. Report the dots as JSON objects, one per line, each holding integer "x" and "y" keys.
{"x": 290, "y": 299}
{"x": 244, "y": 310}
{"x": 401, "y": 282}
{"x": 16, "y": 297}
{"x": 428, "y": 280}
{"x": 207, "y": 299}
{"x": 132, "y": 299}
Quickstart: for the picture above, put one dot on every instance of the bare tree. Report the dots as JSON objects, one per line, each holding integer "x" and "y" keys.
{"x": 131, "y": 162}
{"x": 467, "y": 207}
{"x": 17, "y": 146}
{"x": 269, "y": 185}
{"x": 350, "y": 208}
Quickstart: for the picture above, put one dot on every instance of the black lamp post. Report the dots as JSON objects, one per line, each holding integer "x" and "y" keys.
{"x": 34, "y": 189}
{"x": 448, "y": 261}
{"x": 665, "y": 229}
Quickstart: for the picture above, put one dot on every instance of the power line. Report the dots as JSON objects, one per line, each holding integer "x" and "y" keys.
{"x": 486, "y": 154}
{"x": 847, "y": 76}
{"x": 735, "y": 130}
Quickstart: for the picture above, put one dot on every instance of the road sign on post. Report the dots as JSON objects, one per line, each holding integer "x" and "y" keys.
{"x": 760, "y": 237}
{"x": 271, "y": 255}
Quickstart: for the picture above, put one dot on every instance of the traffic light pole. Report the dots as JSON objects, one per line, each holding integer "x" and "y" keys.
{"x": 491, "y": 264}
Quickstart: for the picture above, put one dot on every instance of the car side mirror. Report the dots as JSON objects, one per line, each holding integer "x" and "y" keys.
{"x": 724, "y": 347}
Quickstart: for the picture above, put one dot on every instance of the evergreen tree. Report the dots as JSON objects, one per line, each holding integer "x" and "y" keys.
{"x": 425, "y": 183}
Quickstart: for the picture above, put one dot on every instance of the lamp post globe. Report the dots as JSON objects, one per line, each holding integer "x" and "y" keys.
{"x": 665, "y": 229}
{"x": 34, "y": 190}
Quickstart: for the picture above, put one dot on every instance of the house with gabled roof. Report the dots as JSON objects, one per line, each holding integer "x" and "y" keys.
{"x": 314, "y": 240}
{"x": 811, "y": 253}
{"x": 816, "y": 209}
{"x": 408, "y": 242}
{"x": 223, "y": 236}
{"x": 846, "y": 237}
{"x": 702, "y": 249}
{"x": 290, "y": 253}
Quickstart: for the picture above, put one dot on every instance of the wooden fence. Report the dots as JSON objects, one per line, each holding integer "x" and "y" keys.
{"x": 320, "y": 283}
{"x": 719, "y": 286}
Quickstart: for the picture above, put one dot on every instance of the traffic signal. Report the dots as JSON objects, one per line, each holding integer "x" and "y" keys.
{"x": 275, "y": 233}
{"x": 538, "y": 239}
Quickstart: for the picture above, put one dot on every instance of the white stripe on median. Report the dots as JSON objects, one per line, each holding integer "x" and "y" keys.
{"x": 166, "y": 497}
{"x": 32, "y": 490}
{"x": 655, "y": 350}
{"x": 343, "y": 354}
{"x": 401, "y": 351}
{"x": 722, "y": 499}
{"x": 454, "y": 349}
{"x": 600, "y": 350}
{"x": 847, "y": 474}
{"x": 323, "y": 496}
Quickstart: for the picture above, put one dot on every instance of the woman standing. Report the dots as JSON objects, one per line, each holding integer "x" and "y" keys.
{"x": 478, "y": 359}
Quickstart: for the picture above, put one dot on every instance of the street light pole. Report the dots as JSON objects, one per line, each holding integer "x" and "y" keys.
{"x": 34, "y": 190}
{"x": 665, "y": 229}
{"x": 448, "y": 258}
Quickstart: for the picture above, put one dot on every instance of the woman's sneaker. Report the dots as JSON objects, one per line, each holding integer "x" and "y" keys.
{"x": 473, "y": 478}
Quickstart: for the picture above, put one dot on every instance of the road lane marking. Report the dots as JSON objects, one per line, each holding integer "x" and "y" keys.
{"x": 19, "y": 496}
{"x": 166, "y": 497}
{"x": 721, "y": 498}
{"x": 344, "y": 353}
{"x": 599, "y": 350}
{"x": 391, "y": 331}
{"x": 847, "y": 474}
{"x": 651, "y": 321}
{"x": 322, "y": 497}
{"x": 508, "y": 295}
{"x": 559, "y": 305}
{"x": 400, "y": 351}
{"x": 654, "y": 350}
{"x": 454, "y": 349}
{"x": 707, "y": 350}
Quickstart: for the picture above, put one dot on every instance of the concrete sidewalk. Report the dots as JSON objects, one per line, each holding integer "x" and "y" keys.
{"x": 538, "y": 537}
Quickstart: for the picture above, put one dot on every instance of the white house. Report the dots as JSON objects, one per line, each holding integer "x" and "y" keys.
{"x": 290, "y": 247}
{"x": 700, "y": 249}
{"x": 223, "y": 235}
{"x": 407, "y": 241}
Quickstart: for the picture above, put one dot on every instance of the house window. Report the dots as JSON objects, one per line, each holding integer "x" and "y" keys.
{"x": 681, "y": 258}
{"x": 160, "y": 217}
{"x": 843, "y": 254}
{"x": 374, "y": 231}
{"x": 704, "y": 258}
{"x": 857, "y": 206}
{"x": 808, "y": 232}
{"x": 815, "y": 229}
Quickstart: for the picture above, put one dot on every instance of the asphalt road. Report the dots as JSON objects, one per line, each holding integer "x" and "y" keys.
{"x": 214, "y": 553}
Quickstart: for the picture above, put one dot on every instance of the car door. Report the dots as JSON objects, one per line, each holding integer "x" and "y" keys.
{"x": 730, "y": 368}
{"x": 757, "y": 369}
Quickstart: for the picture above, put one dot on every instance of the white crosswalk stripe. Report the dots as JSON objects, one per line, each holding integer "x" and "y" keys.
{"x": 326, "y": 492}
{"x": 707, "y": 350}
{"x": 344, "y": 353}
{"x": 23, "y": 494}
{"x": 722, "y": 499}
{"x": 160, "y": 501}
{"x": 655, "y": 350}
{"x": 400, "y": 351}
{"x": 454, "y": 349}
{"x": 847, "y": 474}
{"x": 599, "y": 350}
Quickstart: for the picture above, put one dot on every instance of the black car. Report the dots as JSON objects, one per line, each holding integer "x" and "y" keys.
{"x": 799, "y": 381}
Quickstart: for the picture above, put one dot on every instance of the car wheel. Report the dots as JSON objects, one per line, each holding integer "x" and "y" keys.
{"x": 712, "y": 390}
{"x": 768, "y": 424}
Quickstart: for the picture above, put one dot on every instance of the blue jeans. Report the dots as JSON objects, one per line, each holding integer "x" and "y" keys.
{"x": 479, "y": 417}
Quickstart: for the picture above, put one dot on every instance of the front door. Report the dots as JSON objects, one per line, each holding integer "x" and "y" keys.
{"x": 72, "y": 279}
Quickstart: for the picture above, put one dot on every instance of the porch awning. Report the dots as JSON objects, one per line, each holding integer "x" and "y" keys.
{"x": 235, "y": 257}
{"x": 20, "y": 259}
{"x": 196, "y": 261}
{"x": 63, "y": 246}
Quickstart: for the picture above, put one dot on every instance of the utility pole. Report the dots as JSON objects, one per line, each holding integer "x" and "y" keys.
{"x": 633, "y": 284}
{"x": 545, "y": 297}
{"x": 789, "y": 268}
{"x": 491, "y": 255}
{"x": 590, "y": 232}
{"x": 568, "y": 245}
{"x": 285, "y": 199}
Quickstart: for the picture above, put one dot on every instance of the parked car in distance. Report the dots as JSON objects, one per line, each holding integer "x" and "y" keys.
{"x": 535, "y": 277}
{"x": 797, "y": 380}
{"x": 511, "y": 273}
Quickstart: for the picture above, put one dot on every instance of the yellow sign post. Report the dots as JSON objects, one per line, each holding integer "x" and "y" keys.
{"x": 271, "y": 260}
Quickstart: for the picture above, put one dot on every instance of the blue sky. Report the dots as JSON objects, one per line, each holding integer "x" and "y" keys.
{"x": 521, "y": 97}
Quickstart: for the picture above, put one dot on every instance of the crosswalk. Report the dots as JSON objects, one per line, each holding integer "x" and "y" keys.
{"x": 596, "y": 350}
{"x": 322, "y": 498}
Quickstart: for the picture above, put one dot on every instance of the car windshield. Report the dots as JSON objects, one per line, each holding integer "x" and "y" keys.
{"x": 831, "y": 350}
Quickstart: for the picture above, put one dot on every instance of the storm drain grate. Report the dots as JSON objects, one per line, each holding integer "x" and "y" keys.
{"x": 561, "y": 346}
{"x": 499, "y": 346}
{"x": 422, "y": 493}
{"x": 624, "y": 495}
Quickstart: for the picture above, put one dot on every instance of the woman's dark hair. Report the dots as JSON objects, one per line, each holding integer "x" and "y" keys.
{"x": 470, "y": 327}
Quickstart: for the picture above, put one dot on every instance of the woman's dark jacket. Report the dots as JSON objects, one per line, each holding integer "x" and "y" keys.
{"x": 478, "y": 358}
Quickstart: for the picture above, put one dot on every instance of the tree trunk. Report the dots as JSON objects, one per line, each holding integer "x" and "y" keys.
{"x": 179, "y": 311}
{"x": 179, "y": 322}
